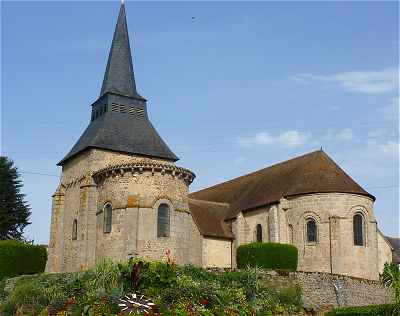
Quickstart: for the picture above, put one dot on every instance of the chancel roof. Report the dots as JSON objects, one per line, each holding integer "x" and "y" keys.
{"x": 395, "y": 243}
{"x": 210, "y": 218}
{"x": 119, "y": 119}
{"x": 314, "y": 172}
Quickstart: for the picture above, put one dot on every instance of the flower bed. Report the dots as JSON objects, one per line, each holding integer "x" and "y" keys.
{"x": 167, "y": 289}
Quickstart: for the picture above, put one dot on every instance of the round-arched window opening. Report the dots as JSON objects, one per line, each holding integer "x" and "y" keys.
{"x": 358, "y": 229}
{"x": 259, "y": 233}
{"x": 163, "y": 221}
{"x": 290, "y": 234}
{"x": 107, "y": 224}
{"x": 311, "y": 230}
{"x": 75, "y": 229}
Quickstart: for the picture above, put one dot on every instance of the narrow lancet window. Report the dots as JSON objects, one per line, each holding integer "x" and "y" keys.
{"x": 163, "y": 221}
{"x": 358, "y": 230}
{"x": 290, "y": 234}
{"x": 311, "y": 226}
{"x": 259, "y": 236}
{"x": 107, "y": 218}
{"x": 75, "y": 229}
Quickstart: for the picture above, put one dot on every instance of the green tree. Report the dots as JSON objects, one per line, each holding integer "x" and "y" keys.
{"x": 14, "y": 210}
{"x": 391, "y": 278}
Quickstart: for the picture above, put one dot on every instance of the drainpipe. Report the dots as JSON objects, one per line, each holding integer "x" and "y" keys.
{"x": 231, "y": 254}
{"x": 330, "y": 244}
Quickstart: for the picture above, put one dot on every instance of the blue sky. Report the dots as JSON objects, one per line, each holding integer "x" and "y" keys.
{"x": 241, "y": 86}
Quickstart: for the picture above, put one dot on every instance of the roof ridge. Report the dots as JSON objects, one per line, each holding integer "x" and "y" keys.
{"x": 207, "y": 201}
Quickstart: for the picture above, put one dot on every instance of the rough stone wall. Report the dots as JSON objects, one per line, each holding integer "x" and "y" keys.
{"x": 325, "y": 291}
{"x": 216, "y": 253}
{"x": 334, "y": 251}
{"x": 384, "y": 252}
{"x": 134, "y": 221}
{"x": 55, "y": 248}
{"x": 135, "y": 197}
{"x": 319, "y": 288}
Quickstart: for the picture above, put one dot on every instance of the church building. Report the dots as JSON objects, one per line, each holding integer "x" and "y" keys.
{"x": 121, "y": 195}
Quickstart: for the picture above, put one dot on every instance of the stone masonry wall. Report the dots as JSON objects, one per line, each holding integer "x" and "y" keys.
{"x": 384, "y": 252}
{"x": 216, "y": 253}
{"x": 334, "y": 252}
{"x": 325, "y": 291}
{"x": 135, "y": 198}
{"x": 319, "y": 288}
{"x": 134, "y": 201}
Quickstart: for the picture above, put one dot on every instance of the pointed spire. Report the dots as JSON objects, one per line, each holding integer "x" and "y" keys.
{"x": 119, "y": 77}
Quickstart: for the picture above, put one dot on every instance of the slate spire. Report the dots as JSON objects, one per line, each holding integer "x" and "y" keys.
{"x": 119, "y": 77}
{"x": 119, "y": 120}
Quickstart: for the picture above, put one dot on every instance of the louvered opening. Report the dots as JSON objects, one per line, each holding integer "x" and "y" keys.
{"x": 140, "y": 113}
{"x": 132, "y": 110}
{"x": 122, "y": 108}
{"x": 115, "y": 107}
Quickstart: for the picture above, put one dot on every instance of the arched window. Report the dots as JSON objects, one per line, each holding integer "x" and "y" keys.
{"x": 107, "y": 218}
{"x": 163, "y": 220}
{"x": 75, "y": 229}
{"x": 259, "y": 233}
{"x": 358, "y": 229}
{"x": 290, "y": 231}
{"x": 311, "y": 226}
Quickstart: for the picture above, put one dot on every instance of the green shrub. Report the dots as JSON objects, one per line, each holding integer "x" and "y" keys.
{"x": 370, "y": 310}
{"x": 271, "y": 256}
{"x": 18, "y": 258}
{"x": 158, "y": 275}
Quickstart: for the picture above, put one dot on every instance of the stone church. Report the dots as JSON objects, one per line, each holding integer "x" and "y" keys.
{"x": 121, "y": 195}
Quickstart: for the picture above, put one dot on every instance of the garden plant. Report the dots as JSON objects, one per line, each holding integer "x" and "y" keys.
{"x": 119, "y": 288}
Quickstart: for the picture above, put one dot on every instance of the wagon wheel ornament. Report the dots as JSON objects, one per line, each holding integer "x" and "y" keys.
{"x": 133, "y": 303}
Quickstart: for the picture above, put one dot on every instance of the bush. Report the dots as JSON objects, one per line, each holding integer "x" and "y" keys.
{"x": 18, "y": 258}
{"x": 370, "y": 310}
{"x": 271, "y": 256}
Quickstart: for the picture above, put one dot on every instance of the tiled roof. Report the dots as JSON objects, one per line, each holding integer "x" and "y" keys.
{"x": 209, "y": 218}
{"x": 395, "y": 242}
{"x": 314, "y": 172}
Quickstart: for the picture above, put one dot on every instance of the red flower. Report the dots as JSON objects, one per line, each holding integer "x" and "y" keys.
{"x": 204, "y": 301}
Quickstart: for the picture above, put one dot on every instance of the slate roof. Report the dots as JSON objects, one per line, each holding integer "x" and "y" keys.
{"x": 314, "y": 172}
{"x": 119, "y": 116}
{"x": 395, "y": 242}
{"x": 119, "y": 77}
{"x": 209, "y": 218}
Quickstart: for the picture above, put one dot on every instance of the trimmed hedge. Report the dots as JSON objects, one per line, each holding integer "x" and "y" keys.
{"x": 273, "y": 256}
{"x": 369, "y": 310}
{"x": 18, "y": 258}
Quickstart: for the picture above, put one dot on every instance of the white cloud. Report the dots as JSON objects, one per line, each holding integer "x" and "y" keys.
{"x": 291, "y": 138}
{"x": 371, "y": 82}
{"x": 345, "y": 135}
{"x": 389, "y": 149}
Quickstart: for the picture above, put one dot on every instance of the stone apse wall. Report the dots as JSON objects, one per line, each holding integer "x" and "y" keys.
{"x": 334, "y": 252}
{"x": 135, "y": 186}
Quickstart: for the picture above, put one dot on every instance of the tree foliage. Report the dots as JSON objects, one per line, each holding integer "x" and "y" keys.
{"x": 391, "y": 278}
{"x": 14, "y": 210}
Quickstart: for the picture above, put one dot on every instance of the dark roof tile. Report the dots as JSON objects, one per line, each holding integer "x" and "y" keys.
{"x": 315, "y": 172}
{"x": 209, "y": 218}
